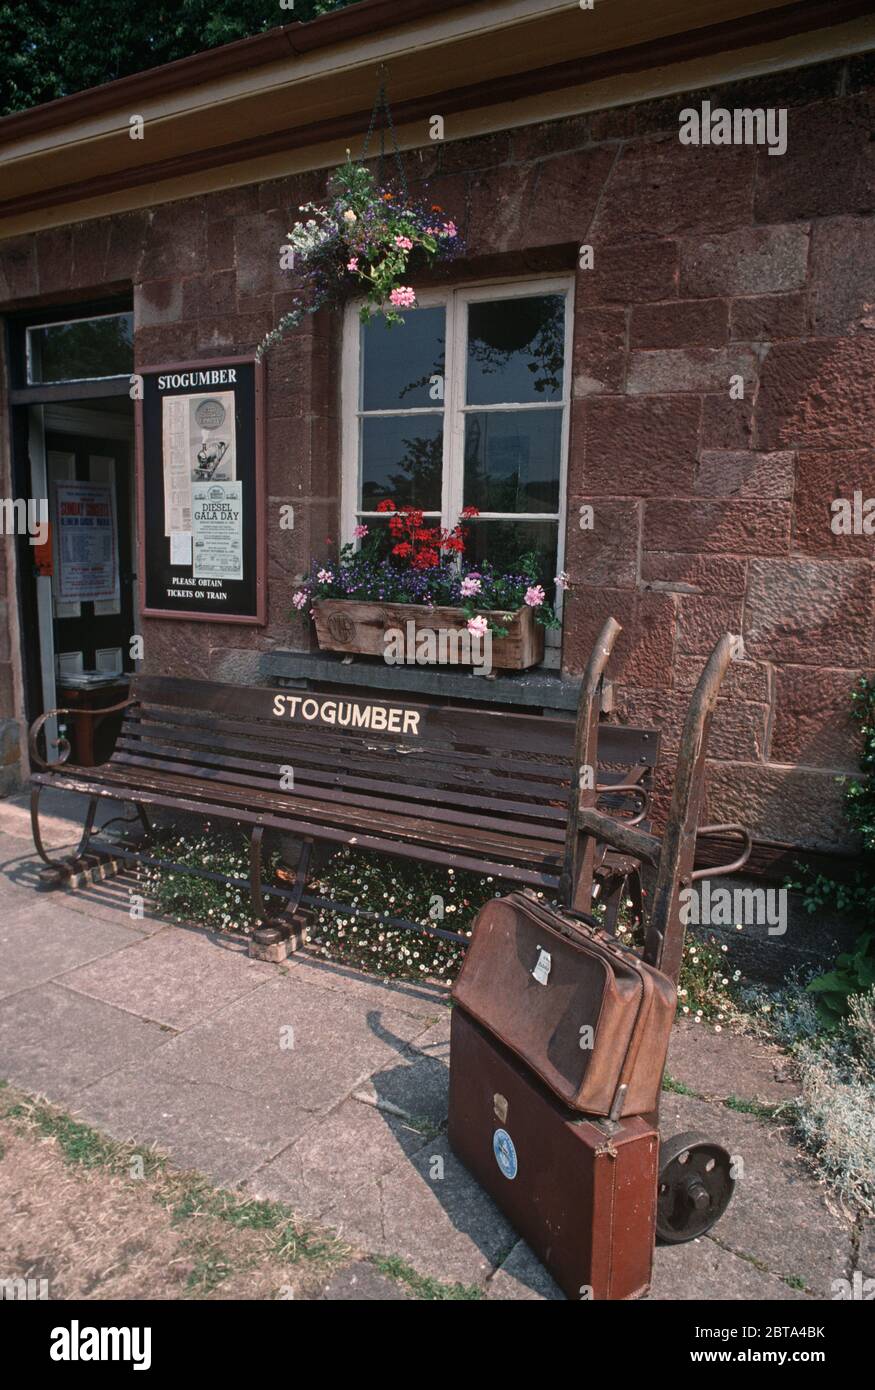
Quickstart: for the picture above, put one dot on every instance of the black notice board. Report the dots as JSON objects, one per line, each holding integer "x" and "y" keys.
{"x": 200, "y": 438}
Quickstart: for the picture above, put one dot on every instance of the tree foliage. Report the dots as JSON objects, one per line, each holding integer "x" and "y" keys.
{"x": 49, "y": 50}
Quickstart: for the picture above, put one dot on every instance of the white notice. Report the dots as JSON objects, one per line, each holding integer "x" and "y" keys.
{"x": 217, "y": 515}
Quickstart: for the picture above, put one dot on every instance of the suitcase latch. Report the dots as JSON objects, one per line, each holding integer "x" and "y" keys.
{"x": 541, "y": 971}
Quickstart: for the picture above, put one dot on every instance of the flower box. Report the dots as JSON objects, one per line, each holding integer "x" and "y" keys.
{"x": 428, "y": 635}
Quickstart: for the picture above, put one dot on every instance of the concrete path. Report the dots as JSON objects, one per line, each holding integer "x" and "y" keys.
{"x": 327, "y": 1089}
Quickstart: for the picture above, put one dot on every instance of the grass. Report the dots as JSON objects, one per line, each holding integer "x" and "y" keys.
{"x": 421, "y": 1285}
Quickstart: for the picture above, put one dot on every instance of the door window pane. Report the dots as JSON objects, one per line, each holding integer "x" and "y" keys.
{"x": 516, "y": 350}
{"x": 512, "y": 460}
{"x": 402, "y": 458}
{"x": 81, "y": 349}
{"x": 399, "y": 361}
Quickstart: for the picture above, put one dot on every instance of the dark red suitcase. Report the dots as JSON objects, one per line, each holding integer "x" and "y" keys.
{"x": 581, "y": 1192}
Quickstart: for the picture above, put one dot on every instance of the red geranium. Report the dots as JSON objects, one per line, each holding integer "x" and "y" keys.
{"x": 420, "y": 544}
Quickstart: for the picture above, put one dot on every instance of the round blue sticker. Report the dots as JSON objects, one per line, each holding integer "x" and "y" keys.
{"x": 505, "y": 1153}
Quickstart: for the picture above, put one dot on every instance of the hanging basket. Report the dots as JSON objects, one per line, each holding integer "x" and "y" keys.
{"x": 365, "y": 240}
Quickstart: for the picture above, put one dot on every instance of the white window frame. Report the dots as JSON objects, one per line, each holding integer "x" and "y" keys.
{"x": 455, "y": 300}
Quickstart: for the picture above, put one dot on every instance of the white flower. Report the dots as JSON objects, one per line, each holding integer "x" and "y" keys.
{"x": 349, "y": 216}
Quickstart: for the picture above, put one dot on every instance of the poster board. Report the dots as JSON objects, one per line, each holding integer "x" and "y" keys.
{"x": 87, "y": 546}
{"x": 200, "y": 448}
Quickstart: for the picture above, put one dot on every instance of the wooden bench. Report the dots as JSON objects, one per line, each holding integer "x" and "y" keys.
{"x": 468, "y": 789}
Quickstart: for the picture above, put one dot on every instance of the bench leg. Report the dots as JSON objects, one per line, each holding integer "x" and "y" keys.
{"x": 59, "y": 869}
{"x": 275, "y": 922}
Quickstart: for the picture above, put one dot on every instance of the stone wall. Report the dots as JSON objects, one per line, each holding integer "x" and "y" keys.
{"x": 710, "y": 513}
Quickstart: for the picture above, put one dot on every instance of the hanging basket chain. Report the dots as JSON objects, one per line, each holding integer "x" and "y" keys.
{"x": 381, "y": 110}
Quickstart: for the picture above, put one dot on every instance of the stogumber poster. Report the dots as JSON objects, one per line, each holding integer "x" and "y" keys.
{"x": 201, "y": 526}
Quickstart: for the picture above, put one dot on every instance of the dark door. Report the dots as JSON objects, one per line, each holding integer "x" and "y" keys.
{"x": 91, "y": 633}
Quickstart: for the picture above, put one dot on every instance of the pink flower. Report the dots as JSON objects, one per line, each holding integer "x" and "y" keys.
{"x": 326, "y": 577}
{"x": 479, "y": 625}
{"x": 534, "y": 596}
{"x": 450, "y": 229}
{"x": 404, "y": 242}
{"x": 360, "y": 532}
{"x": 562, "y": 580}
{"x": 470, "y": 586}
{"x": 353, "y": 264}
{"x": 403, "y": 298}
{"x": 300, "y": 599}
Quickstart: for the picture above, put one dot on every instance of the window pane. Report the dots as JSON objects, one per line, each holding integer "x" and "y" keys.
{"x": 401, "y": 459}
{"x": 399, "y": 361}
{"x": 512, "y": 460}
{"x": 516, "y": 350}
{"x": 502, "y": 543}
{"x": 75, "y": 351}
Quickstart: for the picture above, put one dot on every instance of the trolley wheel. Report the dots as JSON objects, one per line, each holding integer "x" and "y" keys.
{"x": 695, "y": 1187}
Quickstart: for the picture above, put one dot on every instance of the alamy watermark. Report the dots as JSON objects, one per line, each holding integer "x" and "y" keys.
{"x": 20, "y": 516}
{"x": 414, "y": 645}
{"x": 704, "y": 906}
{"x": 715, "y": 125}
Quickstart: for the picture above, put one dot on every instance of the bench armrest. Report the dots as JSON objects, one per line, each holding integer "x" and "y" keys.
{"x": 64, "y": 744}
{"x": 739, "y": 863}
{"x": 619, "y": 835}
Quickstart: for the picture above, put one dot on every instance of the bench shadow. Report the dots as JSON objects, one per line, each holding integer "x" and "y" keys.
{"x": 418, "y": 1087}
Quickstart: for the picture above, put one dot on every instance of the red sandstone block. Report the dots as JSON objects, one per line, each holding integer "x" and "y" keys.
{"x": 481, "y": 152}
{"x": 259, "y": 240}
{"x": 607, "y": 555}
{"x": 727, "y": 423}
{"x": 738, "y": 731}
{"x": 812, "y": 721}
{"x": 659, "y": 187}
{"x": 561, "y": 195}
{"x": 752, "y": 260}
{"x": 18, "y": 268}
{"x": 768, "y": 317}
{"x": 843, "y": 276}
{"x": 127, "y": 238}
{"x": 220, "y": 243}
{"x": 823, "y": 477}
{"x": 643, "y": 653}
{"x": 745, "y": 681}
{"x": 629, "y": 273}
{"x": 661, "y": 371}
{"x": 175, "y": 242}
{"x": 159, "y": 301}
{"x": 734, "y": 528}
{"x": 829, "y": 166}
{"x": 599, "y": 353}
{"x": 175, "y": 342}
{"x": 797, "y": 805}
{"x": 550, "y": 137}
{"x": 817, "y": 395}
{"x": 742, "y": 473}
{"x": 708, "y": 574}
{"x": 703, "y": 619}
{"x": 640, "y": 448}
{"x": 809, "y": 612}
{"x": 90, "y": 241}
{"x": 54, "y": 255}
{"x": 242, "y": 331}
{"x": 678, "y": 324}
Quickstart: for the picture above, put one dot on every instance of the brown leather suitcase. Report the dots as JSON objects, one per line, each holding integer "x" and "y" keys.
{"x": 587, "y": 1014}
{"x": 581, "y": 1192}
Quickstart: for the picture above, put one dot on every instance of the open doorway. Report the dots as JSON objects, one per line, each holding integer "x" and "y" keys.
{"x": 73, "y": 453}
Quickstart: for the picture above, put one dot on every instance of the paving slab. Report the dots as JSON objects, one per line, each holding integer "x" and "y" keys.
{"x": 703, "y": 1271}
{"x": 340, "y": 1152}
{"x": 419, "y": 1087}
{"x": 39, "y": 943}
{"x": 718, "y": 1065}
{"x": 56, "y": 1042}
{"x": 291, "y": 1039}
{"x": 522, "y": 1276}
{"x": 178, "y": 976}
{"x": 444, "y": 1226}
{"x": 422, "y": 1000}
{"x": 224, "y": 1133}
{"x": 360, "y": 1281}
{"x": 778, "y": 1217}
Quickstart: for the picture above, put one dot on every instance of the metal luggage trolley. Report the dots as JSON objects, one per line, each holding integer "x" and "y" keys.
{"x": 695, "y": 1172}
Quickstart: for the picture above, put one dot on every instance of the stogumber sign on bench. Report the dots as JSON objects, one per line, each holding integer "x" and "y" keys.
{"x": 387, "y": 719}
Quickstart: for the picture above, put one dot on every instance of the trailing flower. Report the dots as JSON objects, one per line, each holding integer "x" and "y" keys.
{"x": 363, "y": 239}
{"x": 426, "y": 566}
